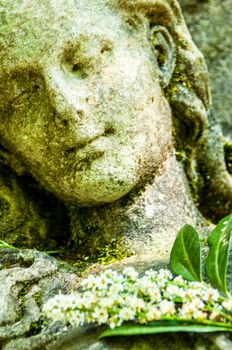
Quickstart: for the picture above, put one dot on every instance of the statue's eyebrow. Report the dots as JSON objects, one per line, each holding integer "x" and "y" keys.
{"x": 133, "y": 19}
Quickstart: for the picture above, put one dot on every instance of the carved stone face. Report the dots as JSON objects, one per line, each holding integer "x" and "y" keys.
{"x": 80, "y": 100}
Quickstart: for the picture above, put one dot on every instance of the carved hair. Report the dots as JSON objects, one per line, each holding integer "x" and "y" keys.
{"x": 198, "y": 135}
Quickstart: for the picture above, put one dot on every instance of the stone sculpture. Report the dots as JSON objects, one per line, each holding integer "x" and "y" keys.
{"x": 106, "y": 130}
{"x": 85, "y": 110}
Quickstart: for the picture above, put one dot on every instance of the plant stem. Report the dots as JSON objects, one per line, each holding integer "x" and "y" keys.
{"x": 206, "y": 322}
{"x": 225, "y": 315}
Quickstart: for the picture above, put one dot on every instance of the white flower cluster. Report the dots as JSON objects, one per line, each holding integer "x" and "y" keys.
{"x": 113, "y": 298}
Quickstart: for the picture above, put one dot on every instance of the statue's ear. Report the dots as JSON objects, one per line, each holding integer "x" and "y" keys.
{"x": 164, "y": 49}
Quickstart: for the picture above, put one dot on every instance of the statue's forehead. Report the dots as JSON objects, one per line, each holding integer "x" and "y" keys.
{"x": 28, "y": 28}
{"x": 21, "y": 10}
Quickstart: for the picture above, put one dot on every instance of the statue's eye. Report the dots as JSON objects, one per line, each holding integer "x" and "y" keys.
{"x": 35, "y": 87}
{"x": 106, "y": 48}
{"x": 76, "y": 67}
{"x": 79, "y": 70}
{"x": 87, "y": 56}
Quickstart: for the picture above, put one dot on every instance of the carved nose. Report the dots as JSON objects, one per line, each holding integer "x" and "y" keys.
{"x": 68, "y": 101}
{"x": 72, "y": 113}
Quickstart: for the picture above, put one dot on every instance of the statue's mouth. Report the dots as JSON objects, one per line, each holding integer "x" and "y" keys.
{"x": 92, "y": 148}
{"x": 82, "y": 145}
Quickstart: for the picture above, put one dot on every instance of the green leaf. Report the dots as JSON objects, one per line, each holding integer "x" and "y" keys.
{"x": 217, "y": 260}
{"x": 4, "y": 244}
{"x": 185, "y": 259}
{"x": 58, "y": 251}
{"x": 162, "y": 327}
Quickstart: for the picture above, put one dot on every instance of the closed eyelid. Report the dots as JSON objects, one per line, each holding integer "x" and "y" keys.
{"x": 87, "y": 57}
{"x": 86, "y": 48}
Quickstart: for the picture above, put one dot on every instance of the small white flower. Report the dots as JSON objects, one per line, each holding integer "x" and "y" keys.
{"x": 56, "y": 314}
{"x": 192, "y": 309}
{"x": 179, "y": 280}
{"x": 198, "y": 303}
{"x": 139, "y": 304}
{"x": 130, "y": 287}
{"x": 191, "y": 294}
{"x": 88, "y": 301}
{"x": 153, "y": 313}
{"x": 115, "y": 289}
{"x": 114, "y": 321}
{"x": 76, "y": 318}
{"x": 163, "y": 277}
{"x": 187, "y": 311}
{"x": 110, "y": 274}
{"x": 130, "y": 273}
{"x": 227, "y": 304}
{"x": 102, "y": 282}
{"x": 210, "y": 294}
{"x": 100, "y": 315}
{"x": 151, "y": 274}
{"x": 198, "y": 285}
{"x": 173, "y": 291}
{"x": 154, "y": 294}
{"x": 144, "y": 285}
{"x": 89, "y": 283}
{"x": 107, "y": 302}
{"x": 165, "y": 274}
{"x": 215, "y": 316}
{"x": 167, "y": 308}
{"x": 200, "y": 315}
{"x": 89, "y": 318}
{"x": 126, "y": 314}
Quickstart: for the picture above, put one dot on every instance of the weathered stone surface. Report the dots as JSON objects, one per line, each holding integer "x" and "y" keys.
{"x": 27, "y": 280}
{"x": 108, "y": 147}
{"x": 25, "y": 215}
{"x": 85, "y": 111}
{"x": 31, "y": 278}
{"x": 210, "y": 25}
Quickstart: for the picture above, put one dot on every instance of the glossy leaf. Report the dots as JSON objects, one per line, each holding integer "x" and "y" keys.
{"x": 185, "y": 259}
{"x": 217, "y": 261}
{"x": 4, "y": 244}
{"x": 162, "y": 327}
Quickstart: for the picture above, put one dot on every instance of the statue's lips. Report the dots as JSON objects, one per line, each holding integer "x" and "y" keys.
{"x": 83, "y": 144}
{"x": 91, "y": 149}
{"x": 97, "y": 142}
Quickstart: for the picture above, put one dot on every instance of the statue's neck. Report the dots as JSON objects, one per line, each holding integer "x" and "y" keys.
{"x": 145, "y": 222}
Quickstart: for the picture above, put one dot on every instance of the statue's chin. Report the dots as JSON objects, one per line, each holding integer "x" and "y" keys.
{"x": 92, "y": 192}
{"x": 86, "y": 198}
